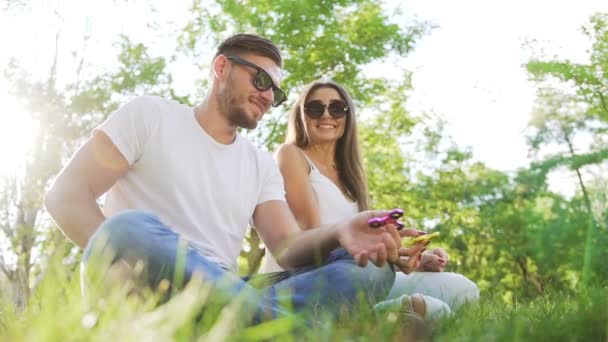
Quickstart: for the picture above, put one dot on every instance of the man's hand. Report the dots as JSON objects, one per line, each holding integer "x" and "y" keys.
{"x": 365, "y": 243}
{"x": 434, "y": 261}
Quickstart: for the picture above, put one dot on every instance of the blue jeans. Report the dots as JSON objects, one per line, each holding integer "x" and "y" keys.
{"x": 336, "y": 285}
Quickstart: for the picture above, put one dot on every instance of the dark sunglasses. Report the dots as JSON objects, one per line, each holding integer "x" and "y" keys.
{"x": 316, "y": 108}
{"x": 262, "y": 81}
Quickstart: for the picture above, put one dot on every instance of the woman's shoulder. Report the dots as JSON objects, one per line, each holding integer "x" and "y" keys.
{"x": 289, "y": 151}
{"x": 291, "y": 155}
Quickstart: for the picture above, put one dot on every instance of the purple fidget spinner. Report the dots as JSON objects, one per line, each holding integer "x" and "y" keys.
{"x": 392, "y": 217}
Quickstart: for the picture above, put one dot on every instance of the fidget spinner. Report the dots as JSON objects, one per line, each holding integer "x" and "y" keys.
{"x": 392, "y": 217}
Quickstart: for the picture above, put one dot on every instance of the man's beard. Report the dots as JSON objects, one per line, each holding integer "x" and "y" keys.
{"x": 232, "y": 108}
{"x": 238, "y": 117}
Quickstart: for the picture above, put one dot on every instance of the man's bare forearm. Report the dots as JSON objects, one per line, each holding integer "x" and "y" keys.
{"x": 76, "y": 213}
{"x": 309, "y": 247}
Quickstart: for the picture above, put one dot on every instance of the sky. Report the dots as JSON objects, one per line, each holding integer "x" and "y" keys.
{"x": 469, "y": 69}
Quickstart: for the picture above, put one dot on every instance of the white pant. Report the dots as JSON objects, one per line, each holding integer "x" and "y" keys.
{"x": 451, "y": 288}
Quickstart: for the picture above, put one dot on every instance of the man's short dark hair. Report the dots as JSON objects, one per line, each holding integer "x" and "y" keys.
{"x": 250, "y": 43}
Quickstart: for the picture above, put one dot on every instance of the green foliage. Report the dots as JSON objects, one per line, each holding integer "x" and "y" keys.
{"x": 561, "y": 117}
{"x": 137, "y": 73}
{"x": 507, "y": 232}
{"x": 590, "y": 80}
{"x": 346, "y": 35}
{"x": 57, "y": 312}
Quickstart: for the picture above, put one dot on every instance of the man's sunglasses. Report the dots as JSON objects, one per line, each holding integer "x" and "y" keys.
{"x": 315, "y": 109}
{"x": 262, "y": 81}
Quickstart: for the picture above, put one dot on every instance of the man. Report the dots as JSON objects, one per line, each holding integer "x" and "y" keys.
{"x": 174, "y": 173}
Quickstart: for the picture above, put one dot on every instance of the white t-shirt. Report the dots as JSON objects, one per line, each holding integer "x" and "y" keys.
{"x": 333, "y": 207}
{"x": 204, "y": 190}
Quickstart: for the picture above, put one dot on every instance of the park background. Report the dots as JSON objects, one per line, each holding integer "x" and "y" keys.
{"x": 485, "y": 121}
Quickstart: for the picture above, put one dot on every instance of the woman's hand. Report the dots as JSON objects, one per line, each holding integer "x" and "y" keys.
{"x": 434, "y": 261}
{"x": 411, "y": 232}
{"x": 409, "y": 258}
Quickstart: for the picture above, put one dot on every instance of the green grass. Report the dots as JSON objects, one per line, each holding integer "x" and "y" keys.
{"x": 555, "y": 316}
{"x": 57, "y": 312}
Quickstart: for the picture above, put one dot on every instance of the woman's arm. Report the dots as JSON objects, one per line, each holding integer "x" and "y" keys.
{"x": 299, "y": 193}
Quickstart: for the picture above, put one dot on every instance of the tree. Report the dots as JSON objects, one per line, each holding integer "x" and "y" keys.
{"x": 580, "y": 110}
{"x": 65, "y": 114}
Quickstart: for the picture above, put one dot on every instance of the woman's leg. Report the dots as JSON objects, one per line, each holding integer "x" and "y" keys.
{"x": 451, "y": 288}
{"x": 429, "y": 308}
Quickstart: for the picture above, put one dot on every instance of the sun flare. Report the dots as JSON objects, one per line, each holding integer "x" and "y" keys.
{"x": 17, "y": 135}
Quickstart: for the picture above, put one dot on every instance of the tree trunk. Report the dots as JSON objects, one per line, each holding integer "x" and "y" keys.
{"x": 528, "y": 277}
{"x": 588, "y": 253}
{"x": 21, "y": 289}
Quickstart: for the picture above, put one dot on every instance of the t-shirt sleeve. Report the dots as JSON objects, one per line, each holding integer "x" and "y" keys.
{"x": 129, "y": 126}
{"x": 272, "y": 185}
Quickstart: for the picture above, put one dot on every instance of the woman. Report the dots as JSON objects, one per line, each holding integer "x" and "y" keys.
{"x": 324, "y": 178}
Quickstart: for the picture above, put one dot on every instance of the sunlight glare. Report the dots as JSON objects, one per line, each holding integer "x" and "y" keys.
{"x": 17, "y": 135}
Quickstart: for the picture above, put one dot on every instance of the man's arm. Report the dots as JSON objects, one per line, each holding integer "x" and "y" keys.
{"x": 292, "y": 248}
{"x": 72, "y": 199}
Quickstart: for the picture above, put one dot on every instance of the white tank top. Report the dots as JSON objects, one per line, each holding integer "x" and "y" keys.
{"x": 333, "y": 207}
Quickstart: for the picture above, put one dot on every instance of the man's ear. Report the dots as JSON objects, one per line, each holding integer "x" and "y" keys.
{"x": 220, "y": 65}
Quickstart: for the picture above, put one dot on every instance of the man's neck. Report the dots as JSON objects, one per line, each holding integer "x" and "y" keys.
{"x": 214, "y": 123}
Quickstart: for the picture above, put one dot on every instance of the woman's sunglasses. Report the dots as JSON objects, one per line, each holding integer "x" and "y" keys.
{"x": 262, "y": 81}
{"x": 315, "y": 109}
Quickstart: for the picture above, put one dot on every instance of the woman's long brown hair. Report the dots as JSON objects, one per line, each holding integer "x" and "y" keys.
{"x": 347, "y": 156}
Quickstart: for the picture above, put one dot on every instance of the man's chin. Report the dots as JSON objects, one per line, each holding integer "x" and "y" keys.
{"x": 249, "y": 121}
{"x": 242, "y": 120}
{"x": 250, "y": 126}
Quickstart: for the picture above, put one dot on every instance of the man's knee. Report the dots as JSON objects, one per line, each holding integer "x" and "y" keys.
{"x": 372, "y": 281}
{"x": 382, "y": 278}
{"x": 119, "y": 232}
